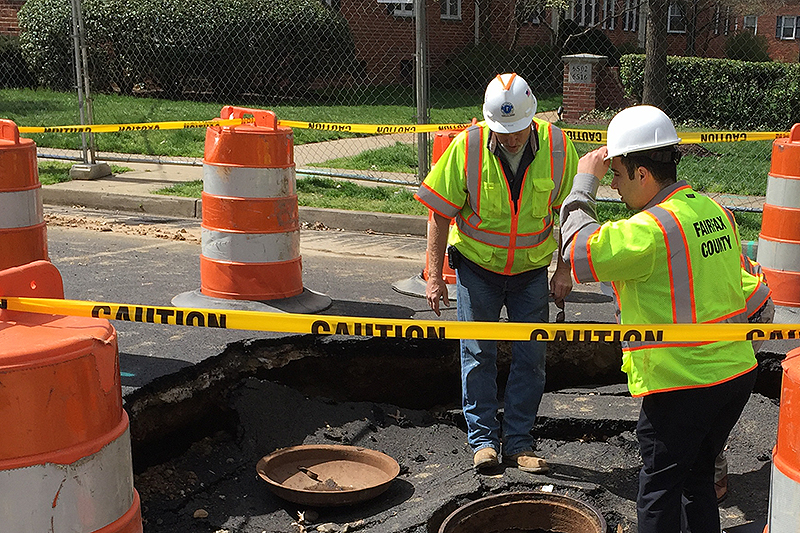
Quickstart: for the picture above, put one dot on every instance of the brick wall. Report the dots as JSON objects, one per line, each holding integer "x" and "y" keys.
{"x": 386, "y": 44}
{"x": 8, "y": 16}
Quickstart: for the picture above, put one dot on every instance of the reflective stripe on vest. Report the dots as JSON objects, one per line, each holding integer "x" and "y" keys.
{"x": 581, "y": 260}
{"x": 681, "y": 287}
{"x": 472, "y": 168}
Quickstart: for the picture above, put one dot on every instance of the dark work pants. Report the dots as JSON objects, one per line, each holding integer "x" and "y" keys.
{"x": 680, "y": 435}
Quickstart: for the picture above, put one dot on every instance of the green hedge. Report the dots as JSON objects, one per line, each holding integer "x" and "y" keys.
{"x": 203, "y": 47}
{"x": 473, "y": 67}
{"x": 723, "y": 93}
{"x": 14, "y": 72}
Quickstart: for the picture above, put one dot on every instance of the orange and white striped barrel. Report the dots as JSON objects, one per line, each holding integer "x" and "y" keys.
{"x": 784, "y": 490}
{"x": 65, "y": 454}
{"x": 779, "y": 240}
{"x": 23, "y": 234}
{"x": 441, "y": 141}
{"x": 251, "y": 227}
{"x": 415, "y": 286}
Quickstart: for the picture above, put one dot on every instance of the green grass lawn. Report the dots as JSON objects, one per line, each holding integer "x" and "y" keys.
{"x": 43, "y": 107}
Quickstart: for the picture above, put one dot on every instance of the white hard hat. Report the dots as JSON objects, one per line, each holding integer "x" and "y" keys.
{"x": 509, "y": 104}
{"x": 640, "y": 128}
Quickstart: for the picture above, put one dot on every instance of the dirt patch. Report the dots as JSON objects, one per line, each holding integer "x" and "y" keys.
{"x": 105, "y": 223}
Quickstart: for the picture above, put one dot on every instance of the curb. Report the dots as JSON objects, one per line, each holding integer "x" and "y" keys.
{"x": 175, "y": 206}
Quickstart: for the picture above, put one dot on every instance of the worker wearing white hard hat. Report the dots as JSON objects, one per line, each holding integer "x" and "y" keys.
{"x": 678, "y": 259}
{"x": 501, "y": 181}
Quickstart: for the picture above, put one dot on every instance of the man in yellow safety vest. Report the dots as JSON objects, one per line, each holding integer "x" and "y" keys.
{"x": 677, "y": 260}
{"x": 502, "y": 180}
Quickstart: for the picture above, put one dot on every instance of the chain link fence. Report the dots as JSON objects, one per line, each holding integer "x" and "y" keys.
{"x": 334, "y": 63}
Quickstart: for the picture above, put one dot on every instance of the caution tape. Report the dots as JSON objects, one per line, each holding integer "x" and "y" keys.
{"x": 401, "y": 328}
{"x": 577, "y": 135}
{"x": 687, "y": 137}
{"x": 140, "y": 126}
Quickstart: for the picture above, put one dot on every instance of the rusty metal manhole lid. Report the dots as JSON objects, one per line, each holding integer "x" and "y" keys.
{"x": 327, "y": 475}
{"x": 520, "y": 512}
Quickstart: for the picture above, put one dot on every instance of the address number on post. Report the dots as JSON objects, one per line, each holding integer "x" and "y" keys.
{"x": 580, "y": 73}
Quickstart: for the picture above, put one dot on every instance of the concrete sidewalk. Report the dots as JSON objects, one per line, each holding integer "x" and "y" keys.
{"x": 133, "y": 192}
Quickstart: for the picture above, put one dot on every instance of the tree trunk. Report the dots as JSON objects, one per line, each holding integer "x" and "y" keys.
{"x": 655, "y": 65}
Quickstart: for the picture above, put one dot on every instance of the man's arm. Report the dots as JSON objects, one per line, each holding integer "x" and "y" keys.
{"x": 436, "y": 288}
{"x": 578, "y": 210}
{"x": 561, "y": 282}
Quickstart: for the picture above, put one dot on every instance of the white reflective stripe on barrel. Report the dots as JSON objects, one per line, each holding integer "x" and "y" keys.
{"x": 777, "y": 255}
{"x": 21, "y": 209}
{"x": 82, "y": 497}
{"x": 241, "y": 182}
{"x": 250, "y": 247}
{"x": 783, "y": 192}
{"x": 784, "y": 501}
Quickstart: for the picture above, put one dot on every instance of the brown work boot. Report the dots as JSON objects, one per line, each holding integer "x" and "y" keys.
{"x": 527, "y": 461}
{"x": 485, "y": 458}
{"x": 721, "y": 488}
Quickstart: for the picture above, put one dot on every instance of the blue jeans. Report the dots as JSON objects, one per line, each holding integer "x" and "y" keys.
{"x": 481, "y": 300}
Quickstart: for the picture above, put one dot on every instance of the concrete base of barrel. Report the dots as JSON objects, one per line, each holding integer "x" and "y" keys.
{"x": 415, "y": 286}
{"x": 306, "y": 302}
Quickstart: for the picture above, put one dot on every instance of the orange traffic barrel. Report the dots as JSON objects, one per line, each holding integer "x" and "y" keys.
{"x": 23, "y": 234}
{"x": 784, "y": 490}
{"x": 65, "y": 455}
{"x": 779, "y": 240}
{"x": 250, "y": 224}
{"x": 415, "y": 286}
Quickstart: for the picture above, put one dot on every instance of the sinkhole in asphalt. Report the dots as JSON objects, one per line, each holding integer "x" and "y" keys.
{"x": 176, "y": 410}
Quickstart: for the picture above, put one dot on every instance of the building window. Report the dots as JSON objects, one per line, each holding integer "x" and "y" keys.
{"x": 450, "y": 9}
{"x": 583, "y": 12}
{"x": 609, "y": 14}
{"x": 787, "y": 27}
{"x": 405, "y": 9}
{"x": 630, "y": 17}
{"x": 676, "y": 19}
{"x": 750, "y": 24}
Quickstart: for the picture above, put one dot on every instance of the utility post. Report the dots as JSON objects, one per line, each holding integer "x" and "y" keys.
{"x": 90, "y": 168}
{"x": 422, "y": 85}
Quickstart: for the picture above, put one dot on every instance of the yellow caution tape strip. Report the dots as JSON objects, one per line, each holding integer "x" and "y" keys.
{"x": 400, "y": 328}
{"x": 577, "y": 135}
{"x": 141, "y": 126}
{"x": 687, "y": 137}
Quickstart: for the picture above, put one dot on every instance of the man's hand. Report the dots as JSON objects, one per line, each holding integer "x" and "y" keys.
{"x": 594, "y": 163}
{"x": 435, "y": 290}
{"x": 561, "y": 284}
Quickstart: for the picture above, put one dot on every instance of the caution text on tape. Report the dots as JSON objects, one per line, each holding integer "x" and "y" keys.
{"x": 402, "y": 328}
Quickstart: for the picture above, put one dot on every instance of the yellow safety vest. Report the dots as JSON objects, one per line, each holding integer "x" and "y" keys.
{"x": 468, "y": 183}
{"x": 676, "y": 262}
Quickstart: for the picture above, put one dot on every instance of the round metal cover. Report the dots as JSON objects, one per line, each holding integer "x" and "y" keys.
{"x": 520, "y": 512}
{"x": 326, "y": 475}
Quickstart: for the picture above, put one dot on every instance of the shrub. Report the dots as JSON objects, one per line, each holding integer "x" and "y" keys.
{"x": 14, "y": 72}
{"x": 46, "y": 42}
{"x": 473, "y": 67}
{"x": 212, "y": 47}
{"x": 723, "y": 93}
{"x": 746, "y": 46}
